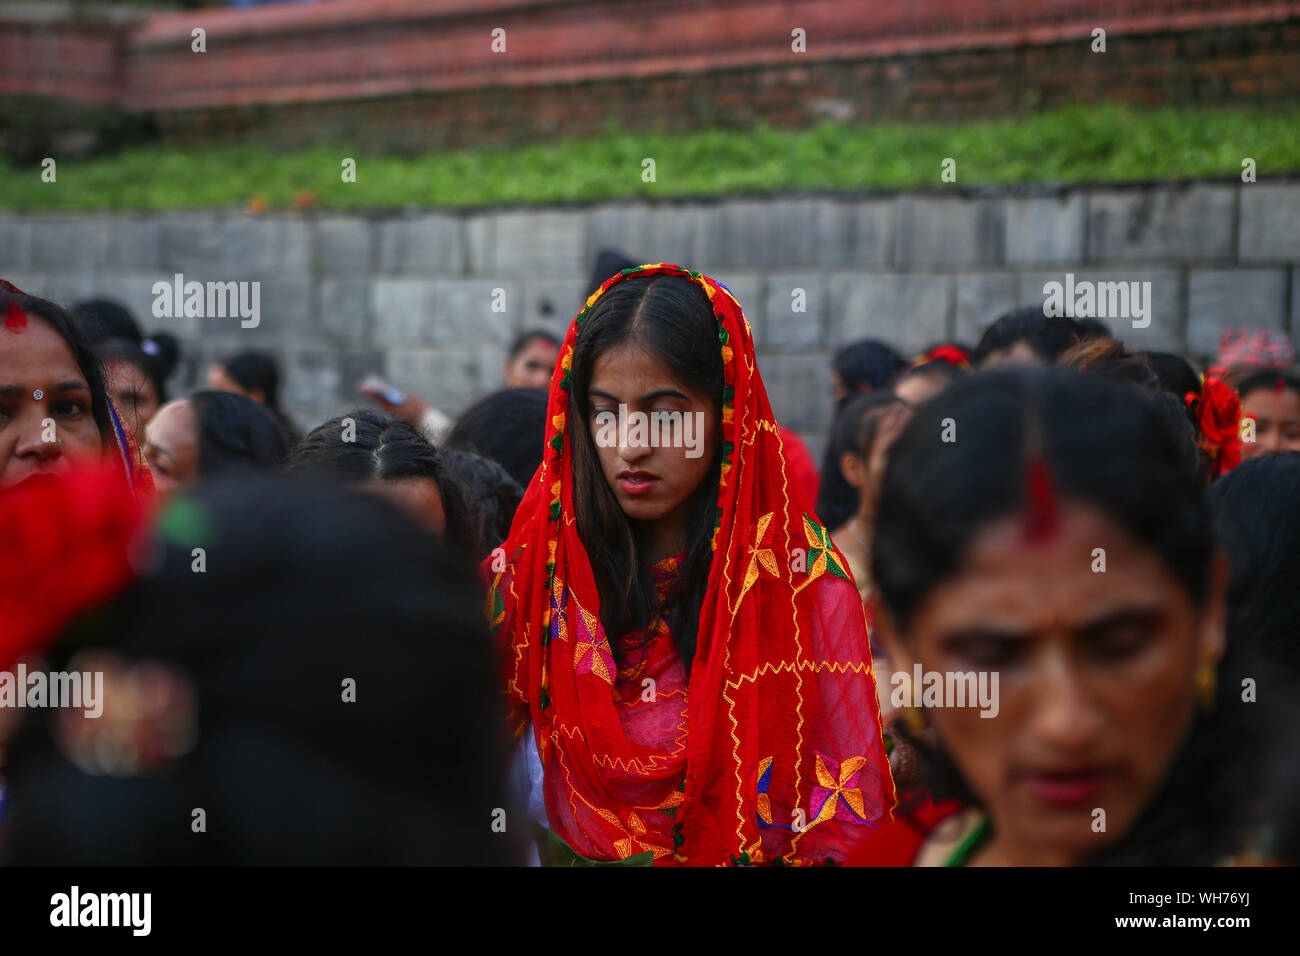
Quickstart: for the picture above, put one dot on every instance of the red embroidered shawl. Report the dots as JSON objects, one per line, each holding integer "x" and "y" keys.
{"x": 783, "y": 758}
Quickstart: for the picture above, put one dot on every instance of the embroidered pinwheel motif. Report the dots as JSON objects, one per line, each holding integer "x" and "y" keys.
{"x": 556, "y": 624}
{"x": 838, "y": 796}
{"x": 759, "y": 557}
{"x": 822, "y": 558}
{"x": 638, "y": 840}
{"x": 764, "y": 802}
{"x": 591, "y": 654}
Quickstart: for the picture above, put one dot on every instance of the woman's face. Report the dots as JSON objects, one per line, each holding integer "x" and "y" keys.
{"x": 219, "y": 380}
{"x": 892, "y": 422}
{"x": 172, "y": 447}
{"x": 418, "y": 497}
{"x": 916, "y": 389}
{"x": 1097, "y": 676}
{"x": 47, "y": 420}
{"x": 1277, "y": 421}
{"x": 132, "y": 393}
{"x": 866, "y": 473}
{"x": 533, "y": 366}
{"x": 650, "y": 483}
{"x": 1020, "y": 353}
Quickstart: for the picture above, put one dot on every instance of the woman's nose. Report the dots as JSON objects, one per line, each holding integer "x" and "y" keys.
{"x": 39, "y": 439}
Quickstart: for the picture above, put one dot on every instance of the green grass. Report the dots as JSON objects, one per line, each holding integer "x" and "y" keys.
{"x": 1072, "y": 145}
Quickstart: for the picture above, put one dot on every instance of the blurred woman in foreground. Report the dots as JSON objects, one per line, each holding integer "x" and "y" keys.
{"x": 1035, "y": 552}
{"x": 322, "y": 694}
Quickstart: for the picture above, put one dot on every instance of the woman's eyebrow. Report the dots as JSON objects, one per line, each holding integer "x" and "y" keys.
{"x": 160, "y": 452}
{"x": 1141, "y": 615}
{"x": 661, "y": 393}
{"x": 72, "y": 385}
{"x": 648, "y": 396}
{"x": 982, "y": 632}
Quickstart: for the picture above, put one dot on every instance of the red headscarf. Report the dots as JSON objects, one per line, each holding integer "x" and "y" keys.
{"x": 783, "y": 759}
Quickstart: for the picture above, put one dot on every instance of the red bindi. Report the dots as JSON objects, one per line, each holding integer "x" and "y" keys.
{"x": 1043, "y": 518}
{"x": 15, "y": 321}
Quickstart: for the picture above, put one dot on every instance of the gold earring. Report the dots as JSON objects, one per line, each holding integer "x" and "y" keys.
{"x": 914, "y": 719}
{"x": 1206, "y": 683}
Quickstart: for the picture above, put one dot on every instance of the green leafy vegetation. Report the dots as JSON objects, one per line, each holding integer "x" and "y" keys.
{"x": 1073, "y": 145}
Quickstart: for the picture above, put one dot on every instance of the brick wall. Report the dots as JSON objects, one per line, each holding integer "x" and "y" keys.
{"x": 410, "y": 295}
{"x": 422, "y": 73}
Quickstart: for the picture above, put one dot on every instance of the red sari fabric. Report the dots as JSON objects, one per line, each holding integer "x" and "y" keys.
{"x": 780, "y": 756}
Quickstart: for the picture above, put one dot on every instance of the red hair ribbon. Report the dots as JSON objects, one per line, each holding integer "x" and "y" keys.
{"x": 947, "y": 354}
{"x": 1217, "y": 412}
{"x": 64, "y": 547}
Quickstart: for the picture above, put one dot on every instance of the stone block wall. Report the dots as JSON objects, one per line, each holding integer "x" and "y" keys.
{"x": 410, "y": 294}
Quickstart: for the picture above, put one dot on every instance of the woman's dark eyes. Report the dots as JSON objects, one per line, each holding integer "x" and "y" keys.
{"x": 69, "y": 409}
{"x": 1119, "y": 642}
{"x": 989, "y": 652}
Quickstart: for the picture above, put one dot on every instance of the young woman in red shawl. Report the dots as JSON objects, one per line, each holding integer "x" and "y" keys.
{"x": 681, "y": 640}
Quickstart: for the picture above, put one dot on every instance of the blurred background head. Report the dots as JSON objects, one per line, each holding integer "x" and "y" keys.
{"x": 864, "y": 429}
{"x": 389, "y": 458}
{"x": 1026, "y": 337}
{"x": 491, "y": 495}
{"x": 1271, "y": 397}
{"x": 936, "y": 369}
{"x": 509, "y": 427}
{"x": 866, "y": 366}
{"x": 103, "y": 319}
{"x": 136, "y": 382}
{"x": 255, "y": 375}
{"x": 531, "y": 360}
{"x": 209, "y": 434}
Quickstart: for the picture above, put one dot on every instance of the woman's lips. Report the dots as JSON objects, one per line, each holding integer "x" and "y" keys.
{"x": 637, "y": 482}
{"x": 1070, "y": 788}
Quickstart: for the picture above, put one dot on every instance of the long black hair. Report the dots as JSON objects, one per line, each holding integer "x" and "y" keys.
{"x": 855, "y": 431}
{"x": 866, "y": 366}
{"x": 65, "y": 326}
{"x": 1114, "y": 446}
{"x": 492, "y": 496}
{"x": 236, "y": 435}
{"x": 1257, "y": 511}
{"x": 672, "y": 319}
{"x": 507, "y": 426}
{"x": 380, "y": 446}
